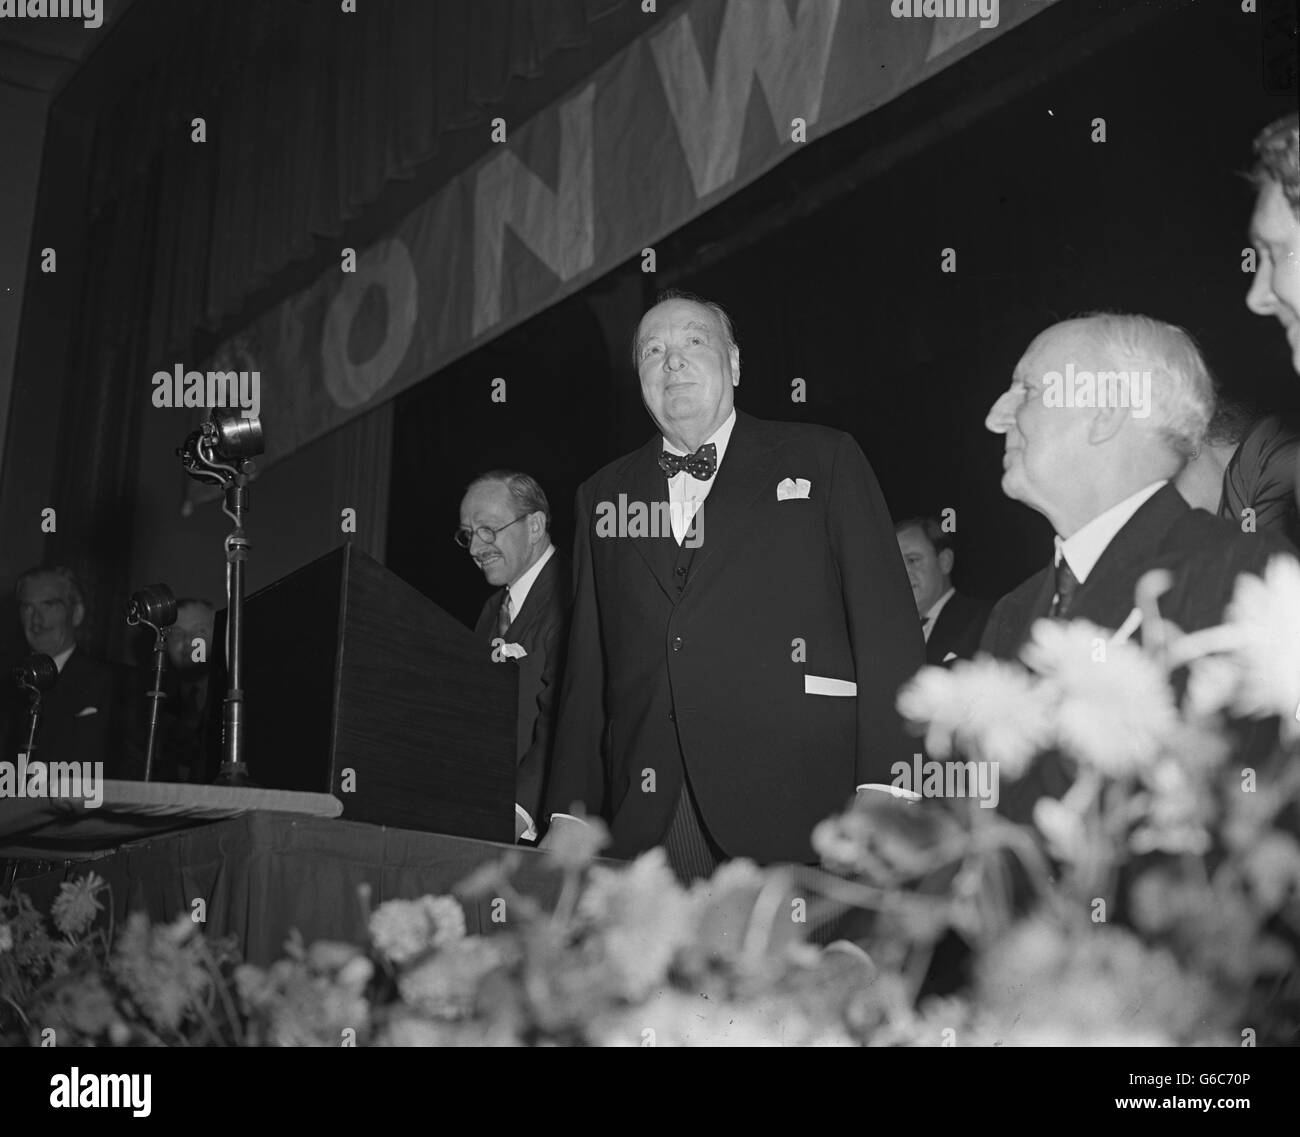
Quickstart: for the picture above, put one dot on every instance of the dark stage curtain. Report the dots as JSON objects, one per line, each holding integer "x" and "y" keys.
{"x": 310, "y": 113}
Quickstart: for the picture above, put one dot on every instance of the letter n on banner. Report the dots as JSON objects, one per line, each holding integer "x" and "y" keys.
{"x": 558, "y": 225}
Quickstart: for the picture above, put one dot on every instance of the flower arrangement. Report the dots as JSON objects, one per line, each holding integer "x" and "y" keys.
{"x": 1156, "y": 900}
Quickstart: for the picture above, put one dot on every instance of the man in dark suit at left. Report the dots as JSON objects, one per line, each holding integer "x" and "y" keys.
{"x": 951, "y": 621}
{"x": 505, "y": 523}
{"x": 83, "y": 718}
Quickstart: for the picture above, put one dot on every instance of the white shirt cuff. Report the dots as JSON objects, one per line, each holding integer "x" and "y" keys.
{"x": 529, "y": 833}
{"x": 896, "y": 791}
{"x": 570, "y": 817}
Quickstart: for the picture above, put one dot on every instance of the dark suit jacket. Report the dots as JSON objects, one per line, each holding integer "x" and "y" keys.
{"x": 958, "y": 629}
{"x": 541, "y": 628}
{"x": 1205, "y": 555}
{"x": 704, "y": 674}
{"x": 70, "y": 731}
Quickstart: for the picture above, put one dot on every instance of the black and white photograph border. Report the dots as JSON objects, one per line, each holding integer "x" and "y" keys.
{"x": 381, "y": 676}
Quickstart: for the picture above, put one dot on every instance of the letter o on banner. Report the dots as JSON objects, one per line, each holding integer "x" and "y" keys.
{"x": 386, "y": 265}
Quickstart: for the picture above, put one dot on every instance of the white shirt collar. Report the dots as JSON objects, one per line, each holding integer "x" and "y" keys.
{"x": 62, "y": 657}
{"x": 931, "y": 616}
{"x": 719, "y": 438}
{"x": 520, "y": 589}
{"x": 1082, "y": 550}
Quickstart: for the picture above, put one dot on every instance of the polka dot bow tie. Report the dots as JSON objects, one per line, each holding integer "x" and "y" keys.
{"x": 703, "y": 464}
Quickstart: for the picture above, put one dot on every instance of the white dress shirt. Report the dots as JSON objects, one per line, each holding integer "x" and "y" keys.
{"x": 1082, "y": 550}
{"x": 687, "y": 493}
{"x": 931, "y": 616}
{"x": 63, "y": 656}
{"x": 524, "y": 585}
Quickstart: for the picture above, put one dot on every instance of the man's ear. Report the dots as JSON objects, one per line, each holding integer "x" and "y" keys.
{"x": 1106, "y": 422}
{"x": 735, "y": 366}
{"x": 945, "y": 562}
{"x": 78, "y": 614}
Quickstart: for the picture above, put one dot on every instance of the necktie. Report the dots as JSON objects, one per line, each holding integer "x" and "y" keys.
{"x": 503, "y": 616}
{"x": 703, "y": 464}
{"x": 1066, "y": 583}
{"x": 925, "y": 625}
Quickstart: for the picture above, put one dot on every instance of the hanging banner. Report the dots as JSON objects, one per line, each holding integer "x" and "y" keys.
{"x": 715, "y": 94}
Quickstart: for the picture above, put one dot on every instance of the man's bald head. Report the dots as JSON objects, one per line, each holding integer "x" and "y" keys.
{"x": 1098, "y": 407}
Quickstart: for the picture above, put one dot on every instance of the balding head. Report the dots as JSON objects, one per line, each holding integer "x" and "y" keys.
{"x": 1098, "y": 408}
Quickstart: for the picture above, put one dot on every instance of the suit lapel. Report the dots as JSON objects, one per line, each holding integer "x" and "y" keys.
{"x": 535, "y": 603}
{"x": 1107, "y": 595}
{"x": 644, "y": 483}
{"x": 745, "y": 472}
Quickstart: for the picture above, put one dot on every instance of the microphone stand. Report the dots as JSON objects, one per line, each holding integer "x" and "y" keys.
{"x": 234, "y": 767}
{"x": 155, "y": 697}
{"x": 235, "y": 439}
{"x": 33, "y": 716}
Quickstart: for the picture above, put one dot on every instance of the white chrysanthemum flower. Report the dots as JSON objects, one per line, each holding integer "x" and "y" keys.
{"x": 643, "y": 916}
{"x": 162, "y": 968}
{"x": 1177, "y": 812}
{"x": 75, "y": 908}
{"x": 445, "y": 986}
{"x": 1115, "y": 709}
{"x": 402, "y": 929}
{"x": 1066, "y": 834}
{"x": 1273, "y": 868}
{"x": 1212, "y": 683}
{"x": 984, "y": 707}
{"x": 1266, "y": 612}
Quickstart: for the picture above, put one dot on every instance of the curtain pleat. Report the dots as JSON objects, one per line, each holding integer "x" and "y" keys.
{"x": 310, "y": 113}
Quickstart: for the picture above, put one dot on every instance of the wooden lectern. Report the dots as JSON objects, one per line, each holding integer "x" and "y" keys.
{"x": 360, "y": 686}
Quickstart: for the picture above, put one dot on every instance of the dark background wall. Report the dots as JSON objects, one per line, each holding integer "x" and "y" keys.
{"x": 1045, "y": 224}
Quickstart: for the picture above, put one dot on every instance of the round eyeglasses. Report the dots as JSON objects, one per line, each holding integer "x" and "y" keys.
{"x": 465, "y": 537}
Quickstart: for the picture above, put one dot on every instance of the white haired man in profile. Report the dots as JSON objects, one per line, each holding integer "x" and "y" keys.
{"x": 1103, "y": 474}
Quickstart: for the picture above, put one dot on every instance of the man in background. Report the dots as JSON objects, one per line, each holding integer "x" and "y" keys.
{"x": 1244, "y": 471}
{"x": 84, "y": 718}
{"x": 182, "y": 753}
{"x": 505, "y": 522}
{"x": 951, "y": 622}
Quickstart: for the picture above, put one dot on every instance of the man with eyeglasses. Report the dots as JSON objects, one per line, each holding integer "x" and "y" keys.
{"x": 505, "y": 525}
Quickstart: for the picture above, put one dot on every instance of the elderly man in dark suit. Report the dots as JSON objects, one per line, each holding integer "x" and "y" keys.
{"x": 951, "y": 621}
{"x": 505, "y": 524}
{"x": 84, "y": 717}
{"x": 1098, "y": 463}
{"x": 733, "y": 662}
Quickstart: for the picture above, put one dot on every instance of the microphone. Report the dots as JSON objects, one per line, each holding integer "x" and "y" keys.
{"x": 37, "y": 673}
{"x": 155, "y": 607}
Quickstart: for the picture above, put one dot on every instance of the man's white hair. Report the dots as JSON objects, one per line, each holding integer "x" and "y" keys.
{"x": 1182, "y": 389}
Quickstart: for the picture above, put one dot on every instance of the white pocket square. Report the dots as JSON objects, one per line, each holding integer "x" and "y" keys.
{"x": 81, "y": 714}
{"x": 792, "y": 487}
{"x": 950, "y": 657}
{"x": 513, "y": 651}
{"x": 821, "y": 685}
